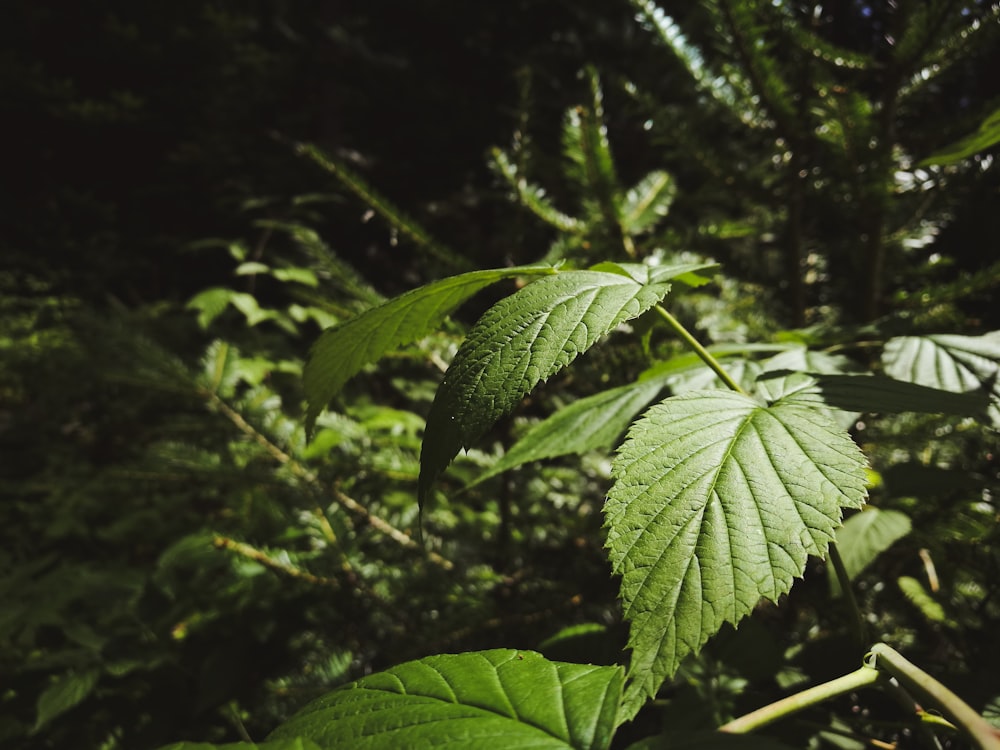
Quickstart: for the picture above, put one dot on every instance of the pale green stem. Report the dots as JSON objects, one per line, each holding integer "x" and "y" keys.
{"x": 857, "y": 621}
{"x": 927, "y": 689}
{"x": 701, "y": 351}
{"x": 859, "y": 678}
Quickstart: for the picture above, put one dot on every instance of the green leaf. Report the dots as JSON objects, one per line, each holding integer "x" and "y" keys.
{"x": 986, "y": 136}
{"x": 487, "y": 699}
{"x": 864, "y": 536}
{"x": 929, "y": 607}
{"x": 873, "y": 393}
{"x": 950, "y": 363}
{"x": 717, "y": 503}
{"x": 70, "y": 690}
{"x": 585, "y": 425}
{"x": 519, "y": 342}
{"x": 342, "y": 351}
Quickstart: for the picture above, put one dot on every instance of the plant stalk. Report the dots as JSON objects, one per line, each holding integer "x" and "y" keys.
{"x": 857, "y": 621}
{"x": 926, "y": 688}
{"x": 859, "y": 678}
{"x": 701, "y": 351}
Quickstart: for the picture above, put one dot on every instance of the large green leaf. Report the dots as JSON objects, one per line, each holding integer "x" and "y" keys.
{"x": 717, "y": 502}
{"x": 519, "y": 342}
{"x": 585, "y": 425}
{"x": 950, "y": 363}
{"x": 341, "y": 351}
{"x": 864, "y": 536}
{"x": 489, "y": 699}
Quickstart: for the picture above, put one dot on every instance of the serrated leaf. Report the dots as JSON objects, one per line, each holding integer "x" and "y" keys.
{"x": 519, "y": 342}
{"x": 865, "y": 536}
{"x": 645, "y": 274}
{"x": 950, "y": 363}
{"x": 588, "y": 424}
{"x": 716, "y": 504}
{"x": 342, "y": 351}
{"x": 68, "y": 691}
{"x": 487, "y": 699}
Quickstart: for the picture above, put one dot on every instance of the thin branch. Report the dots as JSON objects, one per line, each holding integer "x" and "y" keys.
{"x": 700, "y": 350}
{"x": 278, "y": 566}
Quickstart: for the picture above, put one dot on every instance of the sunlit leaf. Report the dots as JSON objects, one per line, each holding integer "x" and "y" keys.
{"x": 717, "y": 502}
{"x": 519, "y": 342}
{"x": 484, "y": 700}
{"x": 949, "y": 362}
{"x": 929, "y": 606}
{"x": 342, "y": 351}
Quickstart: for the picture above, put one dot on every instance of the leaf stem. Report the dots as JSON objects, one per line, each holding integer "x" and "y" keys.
{"x": 857, "y": 621}
{"x": 701, "y": 351}
{"x": 926, "y": 688}
{"x": 859, "y": 678}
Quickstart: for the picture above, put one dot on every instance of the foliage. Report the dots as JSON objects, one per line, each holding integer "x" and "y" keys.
{"x": 192, "y": 551}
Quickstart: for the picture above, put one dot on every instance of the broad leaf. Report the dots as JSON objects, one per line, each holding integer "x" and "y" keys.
{"x": 585, "y": 425}
{"x": 488, "y": 699}
{"x": 948, "y": 362}
{"x": 342, "y": 351}
{"x": 864, "y": 537}
{"x": 519, "y": 342}
{"x": 717, "y": 503}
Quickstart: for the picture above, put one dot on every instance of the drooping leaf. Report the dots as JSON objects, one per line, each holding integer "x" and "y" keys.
{"x": 864, "y": 536}
{"x": 519, "y": 342}
{"x": 588, "y": 424}
{"x": 487, "y": 699}
{"x": 717, "y": 502}
{"x": 948, "y": 362}
{"x": 69, "y": 691}
{"x": 873, "y": 393}
{"x": 342, "y": 351}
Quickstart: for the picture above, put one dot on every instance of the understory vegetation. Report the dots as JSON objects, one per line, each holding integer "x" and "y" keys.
{"x": 665, "y": 415}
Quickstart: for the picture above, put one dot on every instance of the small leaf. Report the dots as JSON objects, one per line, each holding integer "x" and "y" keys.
{"x": 717, "y": 503}
{"x": 210, "y": 304}
{"x": 585, "y": 425}
{"x": 342, "y": 351}
{"x": 70, "y": 690}
{"x": 304, "y": 276}
{"x": 986, "y": 136}
{"x": 519, "y": 342}
{"x": 864, "y": 536}
{"x": 487, "y": 699}
{"x": 929, "y": 607}
{"x": 950, "y": 363}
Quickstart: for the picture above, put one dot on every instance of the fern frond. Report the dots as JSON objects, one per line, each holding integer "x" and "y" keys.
{"x": 648, "y": 202}
{"x": 398, "y": 220}
{"x": 533, "y": 196}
